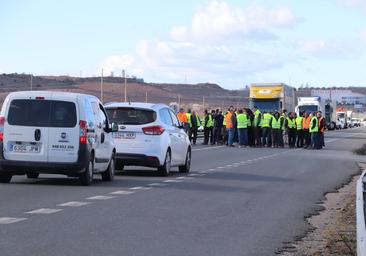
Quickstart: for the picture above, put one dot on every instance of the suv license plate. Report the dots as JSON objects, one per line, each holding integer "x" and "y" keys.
{"x": 124, "y": 135}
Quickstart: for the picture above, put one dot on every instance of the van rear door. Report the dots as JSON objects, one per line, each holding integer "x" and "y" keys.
{"x": 63, "y": 130}
{"x": 26, "y": 129}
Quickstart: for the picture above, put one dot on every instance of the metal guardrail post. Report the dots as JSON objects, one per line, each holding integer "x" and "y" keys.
{"x": 360, "y": 216}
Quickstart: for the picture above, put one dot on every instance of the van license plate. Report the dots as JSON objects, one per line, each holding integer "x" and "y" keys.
{"x": 24, "y": 148}
{"x": 124, "y": 135}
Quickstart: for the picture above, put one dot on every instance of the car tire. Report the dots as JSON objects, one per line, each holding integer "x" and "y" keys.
{"x": 5, "y": 177}
{"x": 86, "y": 177}
{"x": 32, "y": 175}
{"x": 108, "y": 175}
{"x": 187, "y": 166}
{"x": 164, "y": 170}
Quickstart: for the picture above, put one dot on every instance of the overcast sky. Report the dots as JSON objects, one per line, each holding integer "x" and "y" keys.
{"x": 232, "y": 43}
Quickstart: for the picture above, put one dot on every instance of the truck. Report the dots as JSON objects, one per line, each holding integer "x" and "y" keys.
{"x": 349, "y": 114}
{"x": 315, "y": 104}
{"x": 341, "y": 118}
{"x": 271, "y": 97}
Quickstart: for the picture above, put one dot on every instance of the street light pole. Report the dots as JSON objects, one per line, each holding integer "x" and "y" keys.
{"x": 125, "y": 76}
{"x": 101, "y": 87}
{"x": 31, "y": 82}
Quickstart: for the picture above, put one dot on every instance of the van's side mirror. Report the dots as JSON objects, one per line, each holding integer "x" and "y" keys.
{"x": 114, "y": 127}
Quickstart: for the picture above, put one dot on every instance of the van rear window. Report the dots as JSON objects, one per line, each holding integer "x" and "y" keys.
{"x": 131, "y": 116}
{"x": 42, "y": 113}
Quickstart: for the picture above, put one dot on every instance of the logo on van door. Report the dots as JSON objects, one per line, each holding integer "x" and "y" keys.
{"x": 63, "y": 136}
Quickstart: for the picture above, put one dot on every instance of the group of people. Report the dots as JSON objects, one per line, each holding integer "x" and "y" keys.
{"x": 256, "y": 128}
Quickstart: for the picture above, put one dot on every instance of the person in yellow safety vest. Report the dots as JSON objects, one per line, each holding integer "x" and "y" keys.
{"x": 242, "y": 125}
{"x": 207, "y": 126}
{"x": 300, "y": 131}
{"x": 284, "y": 137}
{"x": 194, "y": 122}
{"x": 291, "y": 129}
{"x": 322, "y": 126}
{"x": 257, "y": 126}
{"x": 266, "y": 129}
{"x": 189, "y": 124}
{"x": 276, "y": 129}
{"x": 313, "y": 129}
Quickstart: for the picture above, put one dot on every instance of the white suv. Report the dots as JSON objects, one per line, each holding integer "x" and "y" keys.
{"x": 55, "y": 132}
{"x": 149, "y": 135}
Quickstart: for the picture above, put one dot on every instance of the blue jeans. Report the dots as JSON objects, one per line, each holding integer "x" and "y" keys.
{"x": 230, "y": 133}
{"x": 314, "y": 140}
{"x": 243, "y": 136}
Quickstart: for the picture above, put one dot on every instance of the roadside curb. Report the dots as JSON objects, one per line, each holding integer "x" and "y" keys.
{"x": 360, "y": 215}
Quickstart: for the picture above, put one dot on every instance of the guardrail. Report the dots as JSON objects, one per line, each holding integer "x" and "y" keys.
{"x": 360, "y": 215}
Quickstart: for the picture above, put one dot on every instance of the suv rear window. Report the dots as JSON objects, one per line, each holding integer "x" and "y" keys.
{"x": 131, "y": 116}
{"x": 42, "y": 113}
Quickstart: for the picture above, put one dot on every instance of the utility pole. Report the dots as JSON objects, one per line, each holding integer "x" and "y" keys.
{"x": 179, "y": 101}
{"x": 125, "y": 77}
{"x": 101, "y": 87}
{"x": 146, "y": 96}
{"x": 31, "y": 82}
{"x": 203, "y": 102}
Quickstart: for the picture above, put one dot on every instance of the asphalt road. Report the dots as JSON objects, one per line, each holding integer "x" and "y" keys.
{"x": 234, "y": 202}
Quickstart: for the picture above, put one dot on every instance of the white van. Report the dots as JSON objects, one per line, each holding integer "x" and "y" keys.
{"x": 55, "y": 132}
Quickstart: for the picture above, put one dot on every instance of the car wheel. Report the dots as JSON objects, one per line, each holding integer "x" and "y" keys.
{"x": 5, "y": 177}
{"x": 165, "y": 169}
{"x": 86, "y": 178}
{"x": 32, "y": 175}
{"x": 187, "y": 166}
{"x": 108, "y": 175}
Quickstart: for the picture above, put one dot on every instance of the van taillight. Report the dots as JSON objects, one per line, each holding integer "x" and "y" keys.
{"x": 153, "y": 130}
{"x": 83, "y": 132}
{"x": 2, "y": 122}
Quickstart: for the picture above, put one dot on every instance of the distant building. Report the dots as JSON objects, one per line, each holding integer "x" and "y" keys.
{"x": 346, "y": 97}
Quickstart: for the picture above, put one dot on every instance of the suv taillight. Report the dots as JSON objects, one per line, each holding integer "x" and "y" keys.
{"x": 83, "y": 132}
{"x": 153, "y": 130}
{"x": 2, "y": 122}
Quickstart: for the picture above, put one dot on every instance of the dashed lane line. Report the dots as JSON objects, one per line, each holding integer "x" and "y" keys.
{"x": 208, "y": 148}
{"x": 74, "y": 204}
{"x": 9, "y": 220}
{"x": 157, "y": 184}
{"x": 100, "y": 197}
{"x": 44, "y": 211}
{"x": 172, "y": 181}
{"x": 121, "y": 192}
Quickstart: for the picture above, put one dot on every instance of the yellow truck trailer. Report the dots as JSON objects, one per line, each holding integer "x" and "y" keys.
{"x": 272, "y": 97}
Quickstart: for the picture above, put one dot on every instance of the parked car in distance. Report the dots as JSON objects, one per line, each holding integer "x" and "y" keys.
{"x": 55, "y": 133}
{"x": 149, "y": 135}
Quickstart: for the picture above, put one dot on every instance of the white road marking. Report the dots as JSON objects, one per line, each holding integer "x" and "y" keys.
{"x": 229, "y": 165}
{"x": 100, "y": 197}
{"x": 74, "y": 204}
{"x": 221, "y": 167}
{"x": 200, "y": 175}
{"x": 208, "y": 148}
{"x": 157, "y": 184}
{"x": 8, "y": 220}
{"x": 122, "y": 192}
{"x": 44, "y": 211}
{"x": 193, "y": 174}
{"x": 136, "y": 188}
{"x": 181, "y": 178}
{"x": 211, "y": 170}
{"x": 172, "y": 181}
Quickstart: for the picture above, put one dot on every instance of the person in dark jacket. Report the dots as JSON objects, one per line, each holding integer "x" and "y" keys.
{"x": 218, "y": 121}
{"x": 251, "y": 140}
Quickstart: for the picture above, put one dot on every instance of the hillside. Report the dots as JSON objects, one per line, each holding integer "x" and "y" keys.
{"x": 113, "y": 89}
